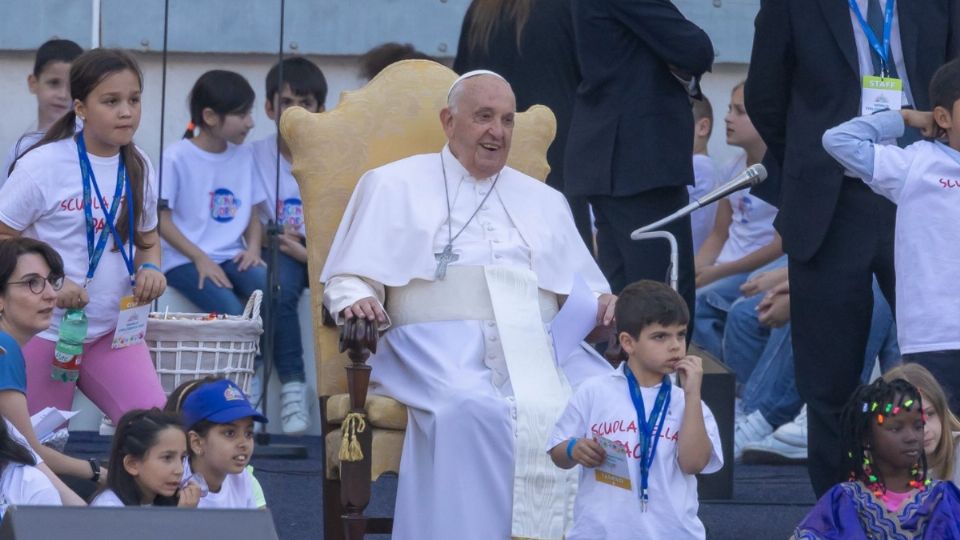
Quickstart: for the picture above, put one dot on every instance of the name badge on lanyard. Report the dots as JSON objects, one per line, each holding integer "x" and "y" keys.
{"x": 614, "y": 470}
{"x": 132, "y": 321}
{"x": 649, "y": 429}
{"x": 879, "y": 92}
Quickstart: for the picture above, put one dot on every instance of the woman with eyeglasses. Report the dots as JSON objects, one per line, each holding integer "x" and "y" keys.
{"x": 31, "y": 274}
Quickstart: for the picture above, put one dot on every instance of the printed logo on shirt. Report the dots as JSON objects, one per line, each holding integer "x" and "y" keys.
{"x": 618, "y": 430}
{"x": 290, "y": 212}
{"x": 76, "y": 204}
{"x": 949, "y": 183}
{"x": 745, "y": 205}
{"x": 223, "y": 205}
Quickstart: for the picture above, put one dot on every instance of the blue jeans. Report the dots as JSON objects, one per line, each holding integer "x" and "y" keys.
{"x": 762, "y": 358}
{"x": 710, "y": 315}
{"x": 287, "y": 346}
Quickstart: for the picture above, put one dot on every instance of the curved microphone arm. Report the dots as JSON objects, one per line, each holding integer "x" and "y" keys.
{"x": 674, "y": 251}
{"x": 750, "y": 177}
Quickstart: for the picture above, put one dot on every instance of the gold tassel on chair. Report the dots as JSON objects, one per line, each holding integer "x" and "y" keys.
{"x": 350, "y": 445}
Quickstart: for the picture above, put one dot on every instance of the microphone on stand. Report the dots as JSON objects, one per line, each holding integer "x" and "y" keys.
{"x": 750, "y": 177}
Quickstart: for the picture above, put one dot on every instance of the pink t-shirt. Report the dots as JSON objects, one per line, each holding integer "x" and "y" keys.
{"x": 894, "y": 500}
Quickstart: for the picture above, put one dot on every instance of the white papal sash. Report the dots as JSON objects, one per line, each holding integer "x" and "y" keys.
{"x": 542, "y": 492}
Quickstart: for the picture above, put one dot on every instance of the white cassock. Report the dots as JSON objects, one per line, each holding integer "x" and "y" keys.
{"x": 470, "y": 356}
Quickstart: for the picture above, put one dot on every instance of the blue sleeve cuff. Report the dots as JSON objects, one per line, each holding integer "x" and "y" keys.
{"x": 889, "y": 124}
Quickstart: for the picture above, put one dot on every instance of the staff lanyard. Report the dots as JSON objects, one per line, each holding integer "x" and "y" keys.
{"x": 95, "y": 246}
{"x": 648, "y": 439}
{"x": 883, "y": 51}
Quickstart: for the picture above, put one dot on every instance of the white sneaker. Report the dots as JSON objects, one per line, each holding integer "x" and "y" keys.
{"x": 794, "y": 433}
{"x": 256, "y": 391}
{"x": 751, "y": 428}
{"x": 107, "y": 429}
{"x": 770, "y": 451}
{"x": 293, "y": 413}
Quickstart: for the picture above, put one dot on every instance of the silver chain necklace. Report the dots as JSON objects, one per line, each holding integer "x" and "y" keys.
{"x": 447, "y": 256}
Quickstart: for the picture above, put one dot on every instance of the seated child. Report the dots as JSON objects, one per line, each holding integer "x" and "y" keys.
{"x": 146, "y": 463}
{"x": 942, "y": 429}
{"x": 50, "y": 83}
{"x": 21, "y": 482}
{"x": 303, "y": 86}
{"x": 889, "y": 494}
{"x": 923, "y": 180}
{"x": 219, "y": 423}
{"x": 742, "y": 240}
{"x": 663, "y": 450}
{"x": 704, "y": 172}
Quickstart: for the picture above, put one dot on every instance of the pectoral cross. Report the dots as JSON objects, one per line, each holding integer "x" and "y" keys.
{"x": 444, "y": 258}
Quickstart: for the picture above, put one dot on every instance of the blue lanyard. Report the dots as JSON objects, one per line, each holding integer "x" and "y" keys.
{"x": 883, "y": 51}
{"x": 95, "y": 246}
{"x": 648, "y": 439}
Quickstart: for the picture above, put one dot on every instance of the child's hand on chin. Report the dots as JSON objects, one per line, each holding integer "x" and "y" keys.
{"x": 690, "y": 373}
{"x": 189, "y": 496}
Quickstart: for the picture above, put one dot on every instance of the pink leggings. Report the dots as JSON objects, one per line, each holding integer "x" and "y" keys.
{"x": 116, "y": 380}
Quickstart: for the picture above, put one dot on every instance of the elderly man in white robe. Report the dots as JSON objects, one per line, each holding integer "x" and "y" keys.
{"x": 471, "y": 259}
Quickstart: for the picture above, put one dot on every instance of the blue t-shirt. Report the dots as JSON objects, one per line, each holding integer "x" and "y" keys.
{"x": 13, "y": 370}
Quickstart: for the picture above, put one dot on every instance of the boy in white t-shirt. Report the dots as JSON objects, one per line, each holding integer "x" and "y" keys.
{"x": 303, "y": 86}
{"x": 705, "y": 172}
{"x": 50, "y": 83}
{"x": 639, "y": 438}
{"x": 742, "y": 240}
{"x": 923, "y": 180}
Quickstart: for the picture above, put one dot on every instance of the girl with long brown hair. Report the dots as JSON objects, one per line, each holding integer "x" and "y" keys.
{"x": 92, "y": 195}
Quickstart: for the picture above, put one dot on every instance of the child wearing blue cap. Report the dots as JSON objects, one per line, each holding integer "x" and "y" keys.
{"x": 219, "y": 422}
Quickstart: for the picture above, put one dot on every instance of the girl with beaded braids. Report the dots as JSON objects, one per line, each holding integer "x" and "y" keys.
{"x": 889, "y": 495}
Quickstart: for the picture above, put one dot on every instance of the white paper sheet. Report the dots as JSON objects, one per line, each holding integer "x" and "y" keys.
{"x": 576, "y": 319}
{"x": 46, "y": 421}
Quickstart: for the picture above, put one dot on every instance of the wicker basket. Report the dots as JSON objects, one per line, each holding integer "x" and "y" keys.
{"x": 188, "y": 346}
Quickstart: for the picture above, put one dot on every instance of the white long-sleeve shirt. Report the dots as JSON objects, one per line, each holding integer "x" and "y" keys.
{"x": 923, "y": 180}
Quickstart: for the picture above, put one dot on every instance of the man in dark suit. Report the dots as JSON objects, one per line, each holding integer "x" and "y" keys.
{"x": 631, "y": 138}
{"x": 805, "y": 76}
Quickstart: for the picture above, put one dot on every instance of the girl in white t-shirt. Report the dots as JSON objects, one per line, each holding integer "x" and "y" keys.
{"x": 146, "y": 463}
{"x": 941, "y": 432}
{"x": 219, "y": 421}
{"x": 742, "y": 240}
{"x": 21, "y": 482}
{"x": 63, "y": 191}
{"x": 212, "y": 236}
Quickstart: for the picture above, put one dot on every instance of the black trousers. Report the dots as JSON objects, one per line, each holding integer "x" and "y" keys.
{"x": 624, "y": 261}
{"x": 580, "y": 208}
{"x": 831, "y": 304}
{"x": 945, "y": 367}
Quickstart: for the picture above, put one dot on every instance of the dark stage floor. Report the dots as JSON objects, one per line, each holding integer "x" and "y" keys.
{"x": 768, "y": 499}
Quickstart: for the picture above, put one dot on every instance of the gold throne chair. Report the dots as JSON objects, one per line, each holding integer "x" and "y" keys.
{"x": 396, "y": 115}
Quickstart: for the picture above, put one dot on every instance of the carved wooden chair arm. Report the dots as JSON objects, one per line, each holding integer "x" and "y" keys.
{"x": 358, "y": 336}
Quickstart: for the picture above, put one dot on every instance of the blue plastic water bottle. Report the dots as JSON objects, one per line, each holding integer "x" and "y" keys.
{"x": 69, "y": 349}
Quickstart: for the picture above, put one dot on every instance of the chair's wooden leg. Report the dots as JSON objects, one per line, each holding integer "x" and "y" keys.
{"x": 359, "y": 339}
{"x": 332, "y": 510}
{"x": 355, "y": 476}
